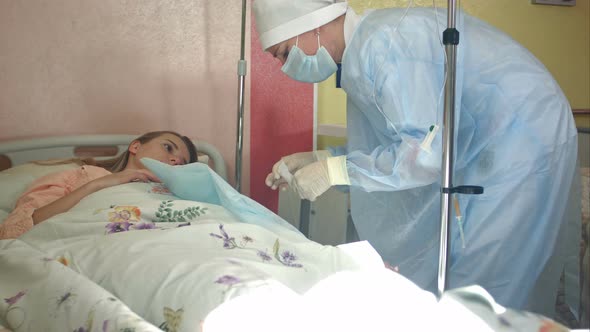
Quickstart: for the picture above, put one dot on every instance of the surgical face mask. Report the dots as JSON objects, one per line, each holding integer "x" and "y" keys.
{"x": 309, "y": 68}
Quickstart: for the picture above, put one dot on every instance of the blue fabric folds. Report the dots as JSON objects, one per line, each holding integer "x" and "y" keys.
{"x": 197, "y": 182}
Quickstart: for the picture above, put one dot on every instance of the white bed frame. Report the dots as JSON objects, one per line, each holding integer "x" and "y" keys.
{"x": 23, "y": 151}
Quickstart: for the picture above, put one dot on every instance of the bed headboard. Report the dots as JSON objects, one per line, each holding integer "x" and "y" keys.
{"x": 23, "y": 151}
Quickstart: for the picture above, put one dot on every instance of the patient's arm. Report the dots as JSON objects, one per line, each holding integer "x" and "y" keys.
{"x": 42, "y": 192}
{"x": 58, "y": 192}
{"x": 66, "y": 202}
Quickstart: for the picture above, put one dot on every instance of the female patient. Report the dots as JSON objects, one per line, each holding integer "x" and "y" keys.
{"x": 58, "y": 192}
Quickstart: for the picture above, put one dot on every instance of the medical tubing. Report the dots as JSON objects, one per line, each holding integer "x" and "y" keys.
{"x": 459, "y": 219}
{"x": 383, "y": 62}
{"x": 442, "y": 88}
{"x": 410, "y": 3}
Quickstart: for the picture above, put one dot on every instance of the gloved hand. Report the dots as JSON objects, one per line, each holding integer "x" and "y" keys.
{"x": 314, "y": 179}
{"x": 280, "y": 175}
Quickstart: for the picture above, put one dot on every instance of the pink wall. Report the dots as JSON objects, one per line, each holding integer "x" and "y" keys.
{"x": 121, "y": 66}
{"x": 131, "y": 66}
{"x": 281, "y": 119}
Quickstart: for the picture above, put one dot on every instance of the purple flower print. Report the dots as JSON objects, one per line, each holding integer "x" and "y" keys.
{"x": 227, "y": 280}
{"x": 228, "y": 242}
{"x": 144, "y": 225}
{"x": 105, "y": 326}
{"x": 265, "y": 257}
{"x": 16, "y": 298}
{"x": 117, "y": 227}
{"x": 288, "y": 258}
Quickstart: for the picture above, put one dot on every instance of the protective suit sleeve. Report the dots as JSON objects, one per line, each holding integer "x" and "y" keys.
{"x": 403, "y": 164}
{"x": 393, "y": 82}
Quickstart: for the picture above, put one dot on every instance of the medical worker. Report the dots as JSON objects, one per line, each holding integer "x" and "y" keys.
{"x": 515, "y": 136}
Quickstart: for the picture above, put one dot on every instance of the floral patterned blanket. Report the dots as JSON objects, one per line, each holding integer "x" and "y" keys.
{"x": 136, "y": 258}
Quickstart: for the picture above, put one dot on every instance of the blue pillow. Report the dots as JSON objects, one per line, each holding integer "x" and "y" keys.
{"x": 197, "y": 182}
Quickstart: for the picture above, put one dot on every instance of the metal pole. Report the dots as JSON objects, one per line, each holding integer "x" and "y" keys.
{"x": 242, "y": 68}
{"x": 451, "y": 39}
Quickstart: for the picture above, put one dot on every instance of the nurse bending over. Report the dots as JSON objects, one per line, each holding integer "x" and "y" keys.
{"x": 515, "y": 137}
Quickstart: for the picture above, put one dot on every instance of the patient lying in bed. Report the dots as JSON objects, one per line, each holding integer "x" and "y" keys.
{"x": 150, "y": 256}
{"x": 190, "y": 253}
{"x": 57, "y": 193}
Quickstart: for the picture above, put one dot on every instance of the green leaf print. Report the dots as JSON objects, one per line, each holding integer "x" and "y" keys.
{"x": 165, "y": 212}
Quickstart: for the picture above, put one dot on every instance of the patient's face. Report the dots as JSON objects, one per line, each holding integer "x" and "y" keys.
{"x": 166, "y": 148}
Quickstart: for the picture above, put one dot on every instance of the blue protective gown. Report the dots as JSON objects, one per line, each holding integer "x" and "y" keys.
{"x": 514, "y": 135}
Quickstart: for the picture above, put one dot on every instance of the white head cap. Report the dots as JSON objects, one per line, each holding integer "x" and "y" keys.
{"x": 279, "y": 20}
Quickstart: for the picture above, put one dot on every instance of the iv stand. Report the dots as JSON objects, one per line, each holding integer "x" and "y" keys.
{"x": 242, "y": 68}
{"x": 450, "y": 40}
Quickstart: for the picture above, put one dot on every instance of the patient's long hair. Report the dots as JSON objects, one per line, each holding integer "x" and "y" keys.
{"x": 119, "y": 163}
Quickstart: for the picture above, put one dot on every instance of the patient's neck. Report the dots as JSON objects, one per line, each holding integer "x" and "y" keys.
{"x": 134, "y": 163}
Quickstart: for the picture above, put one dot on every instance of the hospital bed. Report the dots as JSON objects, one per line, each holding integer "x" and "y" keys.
{"x": 195, "y": 255}
{"x": 101, "y": 146}
{"x": 20, "y": 152}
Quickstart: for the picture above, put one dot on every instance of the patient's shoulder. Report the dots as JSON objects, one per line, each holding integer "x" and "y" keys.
{"x": 73, "y": 177}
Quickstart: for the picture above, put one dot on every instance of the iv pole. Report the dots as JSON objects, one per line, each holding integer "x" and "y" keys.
{"x": 450, "y": 40}
{"x": 242, "y": 67}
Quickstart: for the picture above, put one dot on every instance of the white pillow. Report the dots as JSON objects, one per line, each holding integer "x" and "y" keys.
{"x": 203, "y": 158}
{"x": 14, "y": 181}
